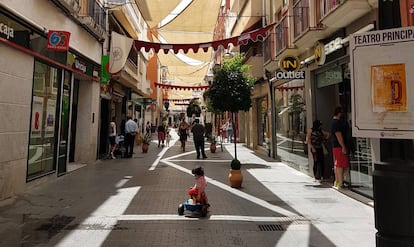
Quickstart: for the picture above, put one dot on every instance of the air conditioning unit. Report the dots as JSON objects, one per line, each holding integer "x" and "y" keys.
{"x": 70, "y": 5}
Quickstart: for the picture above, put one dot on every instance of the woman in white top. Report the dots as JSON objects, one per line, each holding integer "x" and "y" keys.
{"x": 112, "y": 136}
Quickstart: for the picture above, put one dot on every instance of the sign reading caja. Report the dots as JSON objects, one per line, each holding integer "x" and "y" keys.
{"x": 289, "y": 66}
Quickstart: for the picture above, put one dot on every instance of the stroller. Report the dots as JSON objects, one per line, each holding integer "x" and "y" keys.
{"x": 197, "y": 206}
{"x": 120, "y": 146}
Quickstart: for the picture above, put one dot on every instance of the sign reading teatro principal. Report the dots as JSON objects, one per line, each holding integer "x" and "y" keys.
{"x": 382, "y": 90}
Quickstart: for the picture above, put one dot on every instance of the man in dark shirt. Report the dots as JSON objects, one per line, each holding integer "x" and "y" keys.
{"x": 198, "y": 137}
{"x": 339, "y": 146}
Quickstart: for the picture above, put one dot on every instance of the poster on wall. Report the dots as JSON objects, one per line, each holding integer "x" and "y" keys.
{"x": 50, "y": 118}
{"x": 37, "y": 123}
{"x": 381, "y": 65}
{"x": 388, "y": 87}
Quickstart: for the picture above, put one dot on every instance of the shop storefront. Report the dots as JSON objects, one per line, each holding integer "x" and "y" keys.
{"x": 46, "y": 84}
{"x": 332, "y": 88}
{"x": 291, "y": 127}
{"x": 290, "y": 105}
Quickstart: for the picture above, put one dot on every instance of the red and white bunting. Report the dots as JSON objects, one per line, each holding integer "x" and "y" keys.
{"x": 255, "y": 35}
{"x": 178, "y": 87}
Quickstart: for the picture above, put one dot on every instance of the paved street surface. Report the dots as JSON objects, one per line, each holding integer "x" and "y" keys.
{"x": 133, "y": 202}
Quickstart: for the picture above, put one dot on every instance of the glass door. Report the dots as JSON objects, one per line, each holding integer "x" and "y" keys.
{"x": 49, "y": 121}
{"x": 42, "y": 133}
{"x": 62, "y": 157}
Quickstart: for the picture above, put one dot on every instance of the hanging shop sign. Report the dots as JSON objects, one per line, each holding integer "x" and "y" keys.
{"x": 105, "y": 75}
{"x": 58, "y": 40}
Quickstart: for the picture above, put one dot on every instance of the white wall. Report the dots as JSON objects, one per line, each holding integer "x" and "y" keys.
{"x": 86, "y": 130}
{"x": 16, "y": 75}
{"x": 45, "y": 14}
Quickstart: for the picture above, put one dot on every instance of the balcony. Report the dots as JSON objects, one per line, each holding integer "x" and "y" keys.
{"x": 254, "y": 58}
{"x": 129, "y": 75}
{"x": 251, "y": 12}
{"x": 306, "y": 32}
{"x": 283, "y": 45}
{"x": 340, "y": 13}
{"x": 70, "y": 6}
{"x": 92, "y": 16}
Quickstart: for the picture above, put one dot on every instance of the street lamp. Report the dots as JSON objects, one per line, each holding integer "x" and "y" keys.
{"x": 273, "y": 138}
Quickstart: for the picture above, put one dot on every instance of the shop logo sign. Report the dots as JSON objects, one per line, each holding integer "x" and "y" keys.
{"x": 319, "y": 53}
{"x": 289, "y": 64}
{"x": 58, "y": 40}
{"x": 80, "y": 66}
{"x": 7, "y": 31}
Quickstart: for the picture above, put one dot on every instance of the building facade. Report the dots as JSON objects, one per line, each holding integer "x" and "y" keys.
{"x": 305, "y": 75}
{"x": 50, "y": 94}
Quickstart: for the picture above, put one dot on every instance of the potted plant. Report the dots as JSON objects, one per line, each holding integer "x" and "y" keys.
{"x": 235, "y": 175}
{"x": 231, "y": 82}
{"x": 146, "y": 140}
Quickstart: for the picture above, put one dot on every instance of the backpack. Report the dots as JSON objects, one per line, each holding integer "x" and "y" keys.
{"x": 317, "y": 138}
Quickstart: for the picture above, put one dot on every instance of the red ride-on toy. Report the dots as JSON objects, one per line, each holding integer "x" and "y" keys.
{"x": 194, "y": 206}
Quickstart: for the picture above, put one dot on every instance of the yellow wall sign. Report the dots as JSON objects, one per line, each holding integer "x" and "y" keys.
{"x": 389, "y": 90}
{"x": 289, "y": 63}
{"x": 319, "y": 53}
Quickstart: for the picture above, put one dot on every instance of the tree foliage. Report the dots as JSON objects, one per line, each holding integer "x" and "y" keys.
{"x": 232, "y": 87}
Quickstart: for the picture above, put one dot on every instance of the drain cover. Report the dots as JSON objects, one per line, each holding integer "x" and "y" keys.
{"x": 270, "y": 228}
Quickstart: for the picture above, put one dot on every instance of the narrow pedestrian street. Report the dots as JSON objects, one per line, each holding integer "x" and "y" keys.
{"x": 133, "y": 202}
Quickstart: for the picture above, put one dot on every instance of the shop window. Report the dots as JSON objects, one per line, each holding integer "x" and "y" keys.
{"x": 42, "y": 134}
{"x": 291, "y": 117}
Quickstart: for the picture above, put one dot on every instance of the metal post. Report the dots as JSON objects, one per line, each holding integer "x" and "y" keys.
{"x": 273, "y": 136}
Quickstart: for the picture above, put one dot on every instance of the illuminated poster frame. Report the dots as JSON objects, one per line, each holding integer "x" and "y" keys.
{"x": 381, "y": 67}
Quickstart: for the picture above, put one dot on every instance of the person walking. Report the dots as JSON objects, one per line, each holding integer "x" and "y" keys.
{"x": 112, "y": 138}
{"x": 183, "y": 133}
{"x": 131, "y": 128}
{"x": 229, "y": 130}
{"x": 198, "y": 138}
{"x": 315, "y": 139}
{"x": 148, "y": 128}
{"x": 339, "y": 146}
{"x": 161, "y": 135}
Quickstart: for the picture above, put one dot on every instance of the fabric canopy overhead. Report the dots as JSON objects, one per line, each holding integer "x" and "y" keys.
{"x": 191, "y": 21}
{"x": 198, "y": 15}
{"x": 154, "y": 11}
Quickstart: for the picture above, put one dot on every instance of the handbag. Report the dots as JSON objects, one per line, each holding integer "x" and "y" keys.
{"x": 325, "y": 150}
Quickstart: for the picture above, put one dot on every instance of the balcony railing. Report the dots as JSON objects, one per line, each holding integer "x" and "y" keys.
{"x": 281, "y": 35}
{"x": 96, "y": 11}
{"x": 301, "y": 17}
{"x": 267, "y": 49}
{"x": 326, "y": 6}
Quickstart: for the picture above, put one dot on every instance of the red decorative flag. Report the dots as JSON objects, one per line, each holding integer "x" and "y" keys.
{"x": 58, "y": 40}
